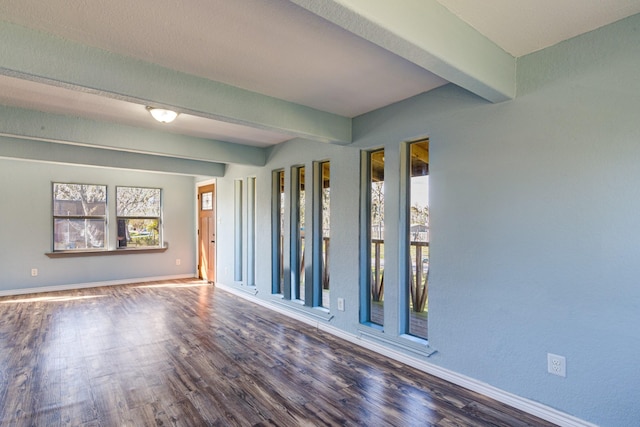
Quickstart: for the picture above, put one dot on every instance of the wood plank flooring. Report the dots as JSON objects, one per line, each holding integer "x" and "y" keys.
{"x": 184, "y": 353}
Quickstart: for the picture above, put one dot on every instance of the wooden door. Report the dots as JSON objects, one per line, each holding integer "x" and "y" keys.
{"x": 207, "y": 233}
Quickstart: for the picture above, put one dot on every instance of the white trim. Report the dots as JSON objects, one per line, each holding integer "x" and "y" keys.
{"x": 529, "y": 406}
{"x": 12, "y": 292}
{"x": 205, "y": 183}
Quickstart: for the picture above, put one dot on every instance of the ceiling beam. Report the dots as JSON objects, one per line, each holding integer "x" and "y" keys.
{"x": 427, "y": 34}
{"x": 34, "y": 125}
{"x": 43, "y": 151}
{"x": 32, "y": 55}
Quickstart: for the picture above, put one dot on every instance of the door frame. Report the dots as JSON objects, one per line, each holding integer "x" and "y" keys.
{"x": 199, "y": 253}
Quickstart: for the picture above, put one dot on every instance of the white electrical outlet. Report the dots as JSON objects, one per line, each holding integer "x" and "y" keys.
{"x": 178, "y": 261}
{"x": 34, "y": 272}
{"x": 340, "y": 304}
{"x": 556, "y": 365}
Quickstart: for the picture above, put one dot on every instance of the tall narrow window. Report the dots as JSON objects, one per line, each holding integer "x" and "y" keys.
{"x": 321, "y": 232}
{"x": 251, "y": 231}
{"x": 237, "y": 230}
{"x": 418, "y": 250}
{"x": 277, "y": 230}
{"x": 138, "y": 212}
{"x": 298, "y": 233}
{"x": 377, "y": 237}
{"x": 372, "y": 266}
{"x": 79, "y": 216}
{"x": 325, "y": 210}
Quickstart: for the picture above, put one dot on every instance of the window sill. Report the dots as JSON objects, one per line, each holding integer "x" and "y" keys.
{"x": 104, "y": 252}
{"x": 299, "y": 307}
{"x": 417, "y": 346}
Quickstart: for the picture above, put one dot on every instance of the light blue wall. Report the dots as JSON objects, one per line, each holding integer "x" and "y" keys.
{"x": 25, "y": 221}
{"x": 344, "y": 191}
{"x": 535, "y": 226}
{"x": 534, "y": 242}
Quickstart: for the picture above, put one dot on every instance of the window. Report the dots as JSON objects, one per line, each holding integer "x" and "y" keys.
{"x": 79, "y": 216}
{"x": 372, "y": 267}
{"x": 251, "y": 231}
{"x": 277, "y": 230}
{"x": 417, "y": 244}
{"x": 138, "y": 213}
{"x": 237, "y": 230}
{"x": 297, "y": 232}
{"x": 206, "y": 201}
{"x": 324, "y": 191}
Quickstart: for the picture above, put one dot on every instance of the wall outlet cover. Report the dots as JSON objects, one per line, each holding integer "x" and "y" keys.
{"x": 556, "y": 365}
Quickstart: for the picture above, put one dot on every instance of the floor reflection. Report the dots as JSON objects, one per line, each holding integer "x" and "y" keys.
{"x": 60, "y": 298}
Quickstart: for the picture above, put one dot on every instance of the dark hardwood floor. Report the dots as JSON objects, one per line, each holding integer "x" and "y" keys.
{"x": 185, "y": 353}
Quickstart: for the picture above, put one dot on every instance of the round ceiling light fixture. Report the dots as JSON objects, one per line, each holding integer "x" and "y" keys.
{"x": 162, "y": 115}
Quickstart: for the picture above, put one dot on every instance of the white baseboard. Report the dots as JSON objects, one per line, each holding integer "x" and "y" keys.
{"x": 58, "y": 288}
{"x": 529, "y": 406}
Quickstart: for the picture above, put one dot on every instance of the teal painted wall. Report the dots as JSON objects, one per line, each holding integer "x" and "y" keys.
{"x": 534, "y": 241}
{"x": 25, "y": 227}
{"x": 344, "y": 203}
{"x": 535, "y": 225}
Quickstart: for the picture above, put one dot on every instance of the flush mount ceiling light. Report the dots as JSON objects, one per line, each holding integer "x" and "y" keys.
{"x": 162, "y": 115}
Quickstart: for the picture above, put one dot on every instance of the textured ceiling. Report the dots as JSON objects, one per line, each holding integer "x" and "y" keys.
{"x": 270, "y": 47}
{"x": 521, "y": 27}
{"x": 53, "y": 99}
{"x": 275, "y": 48}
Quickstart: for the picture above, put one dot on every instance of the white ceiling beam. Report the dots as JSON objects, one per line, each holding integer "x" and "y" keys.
{"x": 36, "y": 56}
{"x": 43, "y": 151}
{"x": 76, "y": 131}
{"x": 427, "y": 34}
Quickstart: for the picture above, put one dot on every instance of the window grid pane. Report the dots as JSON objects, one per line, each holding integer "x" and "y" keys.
{"x": 138, "y": 212}
{"x": 138, "y": 202}
{"x": 79, "y": 216}
{"x": 376, "y": 221}
{"x": 300, "y": 196}
{"x": 277, "y": 236}
{"x": 325, "y": 184}
{"x": 207, "y": 201}
{"x": 138, "y": 232}
{"x": 74, "y": 234}
{"x": 418, "y": 216}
